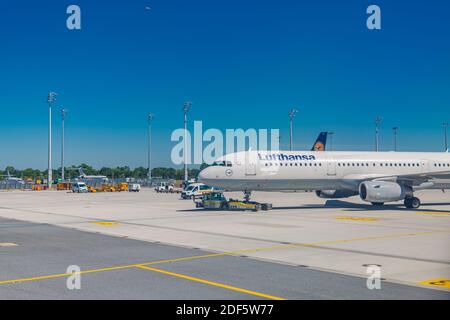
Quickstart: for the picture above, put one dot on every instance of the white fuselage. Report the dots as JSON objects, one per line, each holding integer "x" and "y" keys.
{"x": 325, "y": 170}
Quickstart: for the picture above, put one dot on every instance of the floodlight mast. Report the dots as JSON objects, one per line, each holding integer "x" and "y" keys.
{"x": 445, "y": 126}
{"x": 291, "y": 115}
{"x": 149, "y": 155}
{"x": 63, "y": 117}
{"x": 50, "y": 100}
{"x": 331, "y": 134}
{"x": 187, "y": 105}
{"x": 395, "y": 129}
{"x": 378, "y": 121}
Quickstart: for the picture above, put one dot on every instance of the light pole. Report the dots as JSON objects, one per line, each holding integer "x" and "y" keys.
{"x": 50, "y": 100}
{"x": 149, "y": 155}
{"x": 291, "y": 115}
{"x": 63, "y": 117}
{"x": 395, "y": 129}
{"x": 377, "y": 131}
{"x": 331, "y": 134}
{"x": 186, "y": 107}
{"x": 445, "y": 125}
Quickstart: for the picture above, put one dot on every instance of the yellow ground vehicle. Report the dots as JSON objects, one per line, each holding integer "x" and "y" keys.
{"x": 122, "y": 186}
{"x": 37, "y": 187}
{"x": 108, "y": 188}
{"x": 64, "y": 186}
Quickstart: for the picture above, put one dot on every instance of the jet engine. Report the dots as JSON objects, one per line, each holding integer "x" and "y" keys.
{"x": 335, "y": 194}
{"x": 383, "y": 191}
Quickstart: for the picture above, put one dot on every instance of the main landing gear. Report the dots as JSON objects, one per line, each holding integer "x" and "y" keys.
{"x": 247, "y": 195}
{"x": 412, "y": 203}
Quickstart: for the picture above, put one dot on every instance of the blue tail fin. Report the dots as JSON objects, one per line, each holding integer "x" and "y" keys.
{"x": 321, "y": 142}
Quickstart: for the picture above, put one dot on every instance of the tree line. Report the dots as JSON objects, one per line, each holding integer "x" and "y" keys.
{"x": 72, "y": 172}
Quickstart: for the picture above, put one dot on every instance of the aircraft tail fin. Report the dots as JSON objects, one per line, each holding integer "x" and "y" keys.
{"x": 321, "y": 142}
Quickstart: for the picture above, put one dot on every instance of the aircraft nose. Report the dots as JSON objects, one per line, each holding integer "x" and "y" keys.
{"x": 203, "y": 175}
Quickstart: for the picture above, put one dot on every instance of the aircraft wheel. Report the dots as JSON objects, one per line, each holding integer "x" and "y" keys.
{"x": 378, "y": 204}
{"x": 412, "y": 203}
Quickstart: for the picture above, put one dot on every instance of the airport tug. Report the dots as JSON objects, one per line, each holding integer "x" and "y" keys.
{"x": 217, "y": 201}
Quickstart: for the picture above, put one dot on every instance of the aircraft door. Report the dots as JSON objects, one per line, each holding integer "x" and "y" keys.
{"x": 250, "y": 163}
{"x": 331, "y": 167}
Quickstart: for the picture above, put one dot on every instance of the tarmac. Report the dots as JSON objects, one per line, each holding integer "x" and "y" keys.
{"x": 155, "y": 246}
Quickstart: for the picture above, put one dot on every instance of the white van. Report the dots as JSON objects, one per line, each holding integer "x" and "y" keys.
{"x": 134, "y": 187}
{"x": 79, "y": 187}
{"x": 195, "y": 190}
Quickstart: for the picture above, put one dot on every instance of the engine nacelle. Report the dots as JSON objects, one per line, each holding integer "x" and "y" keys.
{"x": 335, "y": 194}
{"x": 383, "y": 191}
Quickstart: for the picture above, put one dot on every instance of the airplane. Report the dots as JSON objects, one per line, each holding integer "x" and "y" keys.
{"x": 377, "y": 177}
{"x": 11, "y": 179}
{"x": 90, "y": 177}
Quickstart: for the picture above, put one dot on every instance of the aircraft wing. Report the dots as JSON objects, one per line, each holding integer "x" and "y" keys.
{"x": 407, "y": 179}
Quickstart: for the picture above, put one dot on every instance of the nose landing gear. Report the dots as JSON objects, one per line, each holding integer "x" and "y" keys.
{"x": 412, "y": 203}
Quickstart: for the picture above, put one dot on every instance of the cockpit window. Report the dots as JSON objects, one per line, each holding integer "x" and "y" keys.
{"x": 222, "y": 164}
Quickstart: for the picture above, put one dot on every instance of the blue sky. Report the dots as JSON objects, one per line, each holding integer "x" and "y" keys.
{"x": 243, "y": 64}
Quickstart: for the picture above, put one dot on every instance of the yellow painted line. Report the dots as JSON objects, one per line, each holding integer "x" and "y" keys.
{"x": 60, "y": 275}
{"x": 8, "y": 244}
{"x": 212, "y": 283}
{"x": 441, "y": 282}
{"x": 436, "y": 212}
{"x": 288, "y": 246}
{"x": 357, "y": 218}
{"x": 106, "y": 223}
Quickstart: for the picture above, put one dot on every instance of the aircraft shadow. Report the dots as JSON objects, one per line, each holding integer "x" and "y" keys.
{"x": 350, "y": 206}
{"x": 366, "y": 207}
